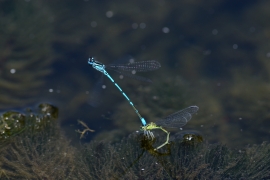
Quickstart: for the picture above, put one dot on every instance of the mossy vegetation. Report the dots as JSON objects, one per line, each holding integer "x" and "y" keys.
{"x": 41, "y": 152}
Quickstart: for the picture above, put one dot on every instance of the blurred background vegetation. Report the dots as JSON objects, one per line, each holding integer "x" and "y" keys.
{"x": 214, "y": 54}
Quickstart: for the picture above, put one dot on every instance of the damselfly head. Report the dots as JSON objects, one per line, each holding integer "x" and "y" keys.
{"x": 91, "y": 60}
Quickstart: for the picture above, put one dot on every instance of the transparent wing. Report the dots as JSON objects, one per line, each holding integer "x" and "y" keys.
{"x": 178, "y": 119}
{"x": 140, "y": 66}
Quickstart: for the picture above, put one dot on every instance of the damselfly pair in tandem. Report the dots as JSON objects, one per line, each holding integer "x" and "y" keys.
{"x": 175, "y": 120}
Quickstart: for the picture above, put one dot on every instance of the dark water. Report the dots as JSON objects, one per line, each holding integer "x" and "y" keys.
{"x": 213, "y": 54}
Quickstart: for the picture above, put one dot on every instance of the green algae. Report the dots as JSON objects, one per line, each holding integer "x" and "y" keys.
{"x": 13, "y": 123}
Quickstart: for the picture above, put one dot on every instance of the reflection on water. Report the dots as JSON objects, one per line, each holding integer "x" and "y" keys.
{"x": 25, "y": 53}
{"x": 213, "y": 54}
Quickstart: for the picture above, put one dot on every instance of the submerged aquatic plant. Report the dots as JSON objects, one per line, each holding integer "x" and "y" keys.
{"x": 181, "y": 160}
{"x": 35, "y": 148}
{"x": 39, "y": 151}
